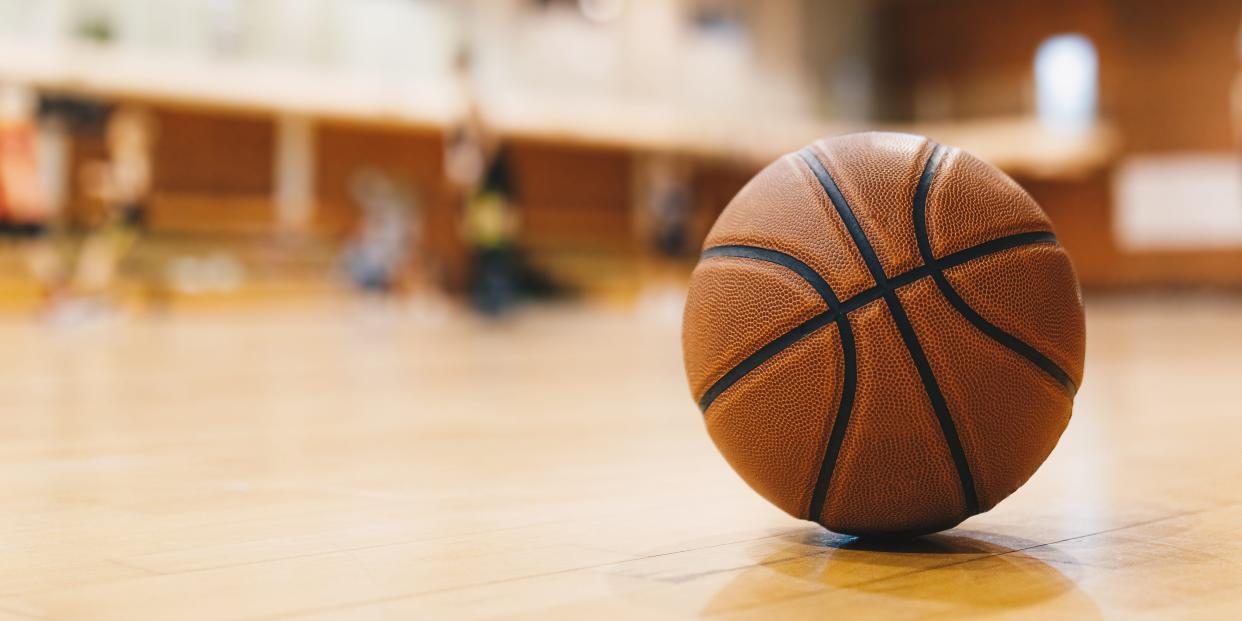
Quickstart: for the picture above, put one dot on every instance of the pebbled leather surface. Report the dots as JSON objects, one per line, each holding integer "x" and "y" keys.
{"x": 971, "y": 202}
{"x": 734, "y": 306}
{"x": 1009, "y": 414}
{"x": 1032, "y": 294}
{"x": 894, "y": 473}
{"x": 878, "y": 173}
{"x": 772, "y": 426}
{"x": 783, "y": 209}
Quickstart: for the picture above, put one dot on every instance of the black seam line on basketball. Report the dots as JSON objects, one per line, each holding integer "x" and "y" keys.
{"x": 897, "y": 311}
{"x": 932, "y": 388}
{"x": 847, "y": 216}
{"x": 773, "y": 347}
{"x": 996, "y": 333}
{"x": 849, "y": 379}
{"x": 789, "y": 262}
{"x": 845, "y": 408}
{"x": 862, "y": 299}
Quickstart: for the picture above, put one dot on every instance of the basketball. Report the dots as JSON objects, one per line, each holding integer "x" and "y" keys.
{"x": 883, "y": 334}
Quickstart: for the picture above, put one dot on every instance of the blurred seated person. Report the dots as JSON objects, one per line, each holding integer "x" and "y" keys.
{"x": 378, "y": 257}
{"x": 122, "y": 186}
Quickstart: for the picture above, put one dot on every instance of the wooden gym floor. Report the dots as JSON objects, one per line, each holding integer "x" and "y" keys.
{"x": 349, "y": 462}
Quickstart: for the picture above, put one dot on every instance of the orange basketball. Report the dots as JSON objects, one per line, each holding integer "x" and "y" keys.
{"x": 883, "y": 334}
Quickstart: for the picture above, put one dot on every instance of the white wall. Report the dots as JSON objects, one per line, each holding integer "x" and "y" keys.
{"x": 650, "y": 53}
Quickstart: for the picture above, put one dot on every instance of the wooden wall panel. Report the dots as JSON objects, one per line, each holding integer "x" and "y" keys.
{"x": 1180, "y": 60}
{"x": 975, "y": 54}
{"x": 212, "y": 153}
{"x": 1166, "y": 66}
{"x": 212, "y": 172}
{"x": 573, "y": 197}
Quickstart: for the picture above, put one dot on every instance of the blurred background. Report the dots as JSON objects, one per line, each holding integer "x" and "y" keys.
{"x": 291, "y": 277}
{"x": 481, "y": 154}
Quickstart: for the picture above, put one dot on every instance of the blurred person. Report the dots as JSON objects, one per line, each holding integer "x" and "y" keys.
{"x": 662, "y": 219}
{"x": 378, "y": 258}
{"x": 478, "y": 166}
{"x": 122, "y": 185}
{"x": 491, "y": 227}
{"x": 26, "y": 209}
{"x": 668, "y": 207}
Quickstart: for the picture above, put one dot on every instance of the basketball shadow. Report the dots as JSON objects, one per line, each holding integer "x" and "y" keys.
{"x": 958, "y": 572}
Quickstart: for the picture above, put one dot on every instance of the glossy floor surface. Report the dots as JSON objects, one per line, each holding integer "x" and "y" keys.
{"x": 355, "y": 462}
